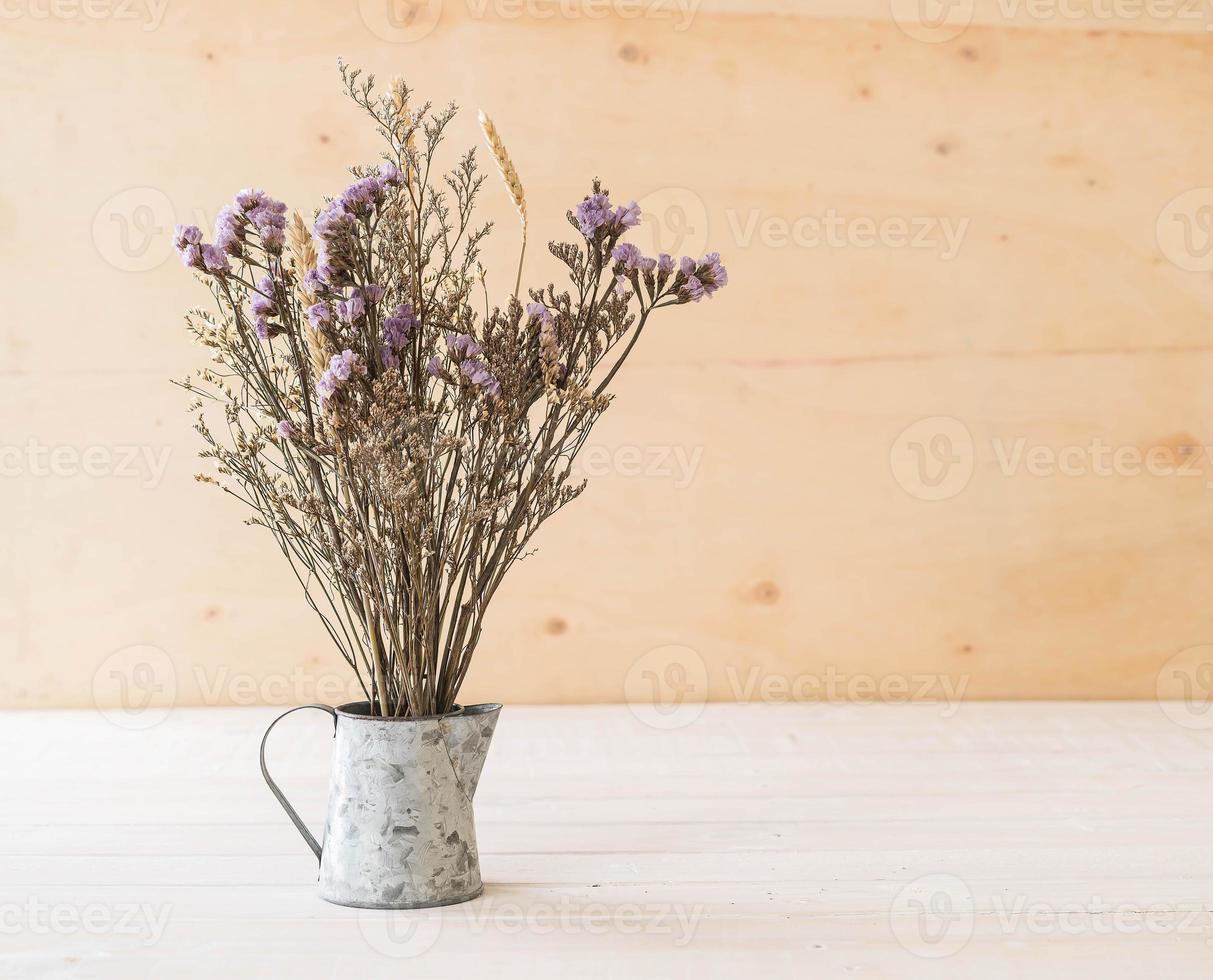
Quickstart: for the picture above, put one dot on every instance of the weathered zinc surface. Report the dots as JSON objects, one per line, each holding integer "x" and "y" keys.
{"x": 400, "y": 832}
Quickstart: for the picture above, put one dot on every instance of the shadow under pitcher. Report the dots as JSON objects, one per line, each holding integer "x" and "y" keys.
{"x": 400, "y": 832}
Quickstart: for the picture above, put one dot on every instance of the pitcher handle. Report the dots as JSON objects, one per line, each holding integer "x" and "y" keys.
{"x": 290, "y": 810}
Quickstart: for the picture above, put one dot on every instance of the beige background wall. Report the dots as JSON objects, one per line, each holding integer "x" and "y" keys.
{"x": 763, "y": 519}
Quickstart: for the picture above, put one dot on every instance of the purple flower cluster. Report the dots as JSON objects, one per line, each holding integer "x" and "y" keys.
{"x": 318, "y": 314}
{"x": 397, "y": 331}
{"x": 264, "y": 307}
{"x": 341, "y": 368}
{"x": 463, "y": 348}
{"x": 253, "y": 208}
{"x": 629, "y": 256}
{"x": 337, "y": 223}
{"x": 266, "y": 215}
{"x": 285, "y": 430}
{"x": 703, "y": 278}
{"x": 479, "y": 375}
{"x": 461, "y": 345}
{"x": 695, "y": 279}
{"x": 542, "y": 314}
{"x": 195, "y": 254}
{"x": 595, "y": 215}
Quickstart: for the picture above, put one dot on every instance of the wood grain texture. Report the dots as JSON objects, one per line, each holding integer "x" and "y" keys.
{"x": 757, "y": 495}
{"x": 1071, "y": 840}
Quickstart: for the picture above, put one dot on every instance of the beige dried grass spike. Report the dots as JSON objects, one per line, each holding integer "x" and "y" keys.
{"x": 509, "y": 174}
{"x": 400, "y": 102}
{"x": 303, "y": 252}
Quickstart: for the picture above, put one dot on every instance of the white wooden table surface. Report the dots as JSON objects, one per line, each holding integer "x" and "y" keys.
{"x": 989, "y": 840}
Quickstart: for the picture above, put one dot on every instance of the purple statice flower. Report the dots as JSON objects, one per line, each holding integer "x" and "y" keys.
{"x": 346, "y": 364}
{"x": 540, "y": 313}
{"x": 341, "y": 368}
{"x": 319, "y": 314}
{"x": 262, "y": 327}
{"x": 187, "y": 240}
{"x": 285, "y": 430}
{"x": 712, "y": 273}
{"x": 592, "y": 213}
{"x": 353, "y": 309}
{"x": 390, "y": 175}
{"x": 461, "y": 345}
{"x": 333, "y": 230}
{"x": 665, "y": 263}
{"x": 622, "y": 285}
{"x": 214, "y": 259}
{"x": 595, "y": 213}
{"x": 314, "y": 284}
{"x": 333, "y": 220}
{"x": 372, "y": 293}
{"x": 433, "y": 366}
{"x": 703, "y": 278}
{"x": 397, "y": 329}
{"x": 267, "y": 215}
{"x": 628, "y": 254}
{"x": 249, "y": 198}
{"x": 263, "y": 300}
{"x": 229, "y": 230}
{"x": 693, "y": 289}
{"x": 480, "y": 376}
{"x": 362, "y": 196}
{"x": 626, "y": 216}
{"x": 273, "y": 239}
{"x": 184, "y": 235}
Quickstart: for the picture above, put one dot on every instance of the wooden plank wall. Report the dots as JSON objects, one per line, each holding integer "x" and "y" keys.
{"x": 970, "y": 286}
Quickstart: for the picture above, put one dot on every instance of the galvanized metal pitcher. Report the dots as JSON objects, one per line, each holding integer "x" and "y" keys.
{"x": 400, "y": 832}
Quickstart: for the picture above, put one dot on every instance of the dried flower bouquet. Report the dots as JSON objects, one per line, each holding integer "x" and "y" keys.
{"x": 400, "y": 440}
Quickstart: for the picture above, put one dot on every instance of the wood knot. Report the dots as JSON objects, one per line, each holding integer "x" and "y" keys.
{"x": 765, "y": 593}
{"x": 631, "y": 54}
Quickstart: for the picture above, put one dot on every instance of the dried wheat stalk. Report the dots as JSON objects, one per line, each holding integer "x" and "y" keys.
{"x": 509, "y": 174}
{"x": 303, "y": 252}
